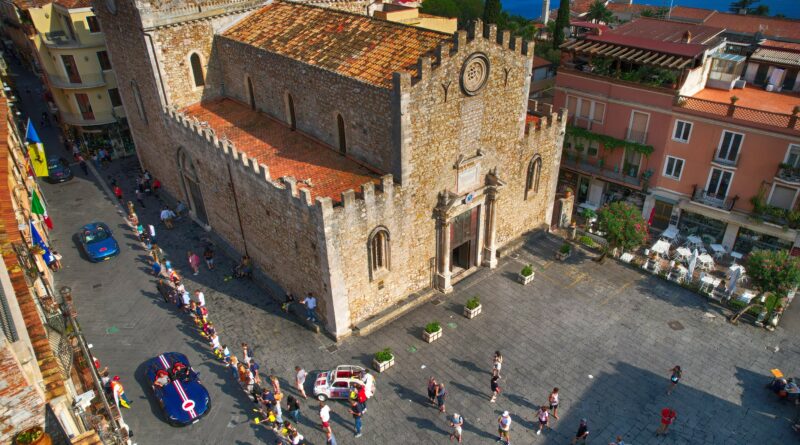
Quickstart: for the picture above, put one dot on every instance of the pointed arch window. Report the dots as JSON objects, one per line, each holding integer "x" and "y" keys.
{"x": 137, "y": 97}
{"x": 251, "y": 98}
{"x": 342, "y": 135}
{"x": 197, "y": 70}
{"x": 532, "y": 178}
{"x": 290, "y": 117}
{"x": 379, "y": 251}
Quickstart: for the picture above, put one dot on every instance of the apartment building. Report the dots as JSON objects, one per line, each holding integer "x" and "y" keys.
{"x": 69, "y": 52}
{"x": 662, "y": 116}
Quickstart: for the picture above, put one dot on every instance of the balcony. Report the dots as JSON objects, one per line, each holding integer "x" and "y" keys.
{"x": 724, "y": 162}
{"x": 60, "y": 40}
{"x": 82, "y": 81}
{"x": 582, "y": 122}
{"x": 87, "y": 119}
{"x": 595, "y": 168}
{"x": 715, "y": 200}
{"x": 638, "y": 136}
{"x": 787, "y": 173}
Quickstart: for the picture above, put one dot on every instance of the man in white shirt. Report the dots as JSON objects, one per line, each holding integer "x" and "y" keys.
{"x": 167, "y": 216}
{"x": 369, "y": 383}
{"x": 300, "y": 381}
{"x": 311, "y": 306}
{"x": 199, "y": 298}
{"x": 186, "y": 300}
{"x": 325, "y": 416}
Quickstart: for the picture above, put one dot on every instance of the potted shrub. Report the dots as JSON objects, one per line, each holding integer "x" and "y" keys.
{"x": 433, "y": 330}
{"x": 564, "y": 251}
{"x": 383, "y": 360}
{"x": 568, "y": 192}
{"x": 473, "y": 307}
{"x": 526, "y": 274}
{"x": 33, "y": 436}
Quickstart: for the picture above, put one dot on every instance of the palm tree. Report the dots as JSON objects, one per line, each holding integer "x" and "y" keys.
{"x": 598, "y": 13}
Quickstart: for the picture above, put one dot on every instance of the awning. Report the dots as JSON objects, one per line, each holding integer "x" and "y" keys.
{"x": 776, "y": 56}
{"x": 628, "y": 54}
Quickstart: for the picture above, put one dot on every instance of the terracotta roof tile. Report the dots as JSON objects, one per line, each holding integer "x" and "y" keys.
{"x": 283, "y": 151}
{"x": 352, "y": 45}
{"x": 74, "y": 4}
{"x": 772, "y": 27}
{"x": 694, "y": 14}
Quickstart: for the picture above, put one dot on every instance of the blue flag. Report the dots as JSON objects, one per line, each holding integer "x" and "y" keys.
{"x": 47, "y": 256}
{"x": 31, "y": 136}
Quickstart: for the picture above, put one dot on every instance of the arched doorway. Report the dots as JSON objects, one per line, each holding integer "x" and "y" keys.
{"x": 191, "y": 186}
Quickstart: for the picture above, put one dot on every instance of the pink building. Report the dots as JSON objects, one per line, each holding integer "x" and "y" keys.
{"x": 663, "y": 117}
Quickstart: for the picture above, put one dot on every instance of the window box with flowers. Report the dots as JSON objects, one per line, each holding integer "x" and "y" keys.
{"x": 432, "y": 331}
{"x": 383, "y": 360}
{"x": 473, "y": 307}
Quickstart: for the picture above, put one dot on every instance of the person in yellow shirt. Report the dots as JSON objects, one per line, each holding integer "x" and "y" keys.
{"x": 119, "y": 393}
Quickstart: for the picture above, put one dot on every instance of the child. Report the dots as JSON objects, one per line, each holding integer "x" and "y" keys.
{"x": 226, "y": 355}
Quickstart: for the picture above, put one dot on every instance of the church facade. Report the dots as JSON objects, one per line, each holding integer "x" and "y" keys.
{"x": 357, "y": 159}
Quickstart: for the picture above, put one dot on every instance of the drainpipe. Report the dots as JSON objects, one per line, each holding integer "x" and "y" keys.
{"x": 158, "y": 68}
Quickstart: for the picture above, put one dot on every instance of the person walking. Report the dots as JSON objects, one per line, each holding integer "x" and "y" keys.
{"x": 357, "y": 411}
{"x": 167, "y": 216}
{"x": 668, "y": 416}
{"x": 675, "y": 376}
{"x": 293, "y": 408}
{"x": 119, "y": 393}
{"x": 118, "y": 193}
{"x": 582, "y": 434}
{"x": 325, "y": 416}
{"x": 432, "y": 385}
{"x": 208, "y": 255}
{"x": 140, "y": 198}
{"x": 544, "y": 419}
{"x": 441, "y": 395}
{"x": 300, "y": 380}
{"x": 369, "y": 384}
{"x": 495, "y": 386}
{"x": 553, "y": 401}
{"x": 618, "y": 441}
{"x": 194, "y": 262}
{"x": 457, "y": 423}
{"x": 254, "y": 368}
{"x": 504, "y": 428}
{"x": 200, "y": 298}
{"x": 497, "y": 362}
{"x": 330, "y": 439}
{"x": 246, "y": 353}
{"x": 311, "y": 307}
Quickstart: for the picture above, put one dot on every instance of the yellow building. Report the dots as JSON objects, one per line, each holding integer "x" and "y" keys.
{"x": 410, "y": 15}
{"x": 72, "y": 59}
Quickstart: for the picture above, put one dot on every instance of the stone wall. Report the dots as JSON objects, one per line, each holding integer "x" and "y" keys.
{"x": 21, "y": 404}
{"x": 318, "y": 96}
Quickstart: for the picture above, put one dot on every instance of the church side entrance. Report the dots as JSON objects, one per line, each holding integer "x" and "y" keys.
{"x": 463, "y": 241}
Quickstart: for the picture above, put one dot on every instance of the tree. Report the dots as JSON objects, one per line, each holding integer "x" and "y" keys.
{"x": 442, "y": 8}
{"x": 658, "y": 13}
{"x": 770, "y": 272}
{"x": 749, "y": 6}
{"x": 491, "y": 11}
{"x": 623, "y": 226}
{"x": 598, "y": 13}
{"x": 561, "y": 22}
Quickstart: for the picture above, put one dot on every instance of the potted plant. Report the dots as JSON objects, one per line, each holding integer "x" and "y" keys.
{"x": 383, "y": 360}
{"x": 33, "y": 436}
{"x": 564, "y": 251}
{"x": 526, "y": 274}
{"x": 473, "y": 307}
{"x": 568, "y": 192}
{"x": 433, "y": 330}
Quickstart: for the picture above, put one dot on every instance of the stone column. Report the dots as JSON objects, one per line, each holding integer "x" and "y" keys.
{"x": 443, "y": 260}
{"x": 489, "y": 247}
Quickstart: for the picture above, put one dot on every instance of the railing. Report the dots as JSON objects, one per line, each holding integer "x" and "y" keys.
{"x": 723, "y": 161}
{"x": 590, "y": 168}
{"x": 769, "y": 118}
{"x": 713, "y": 199}
{"x": 788, "y": 174}
{"x": 86, "y": 80}
{"x": 582, "y": 122}
{"x": 636, "y": 136}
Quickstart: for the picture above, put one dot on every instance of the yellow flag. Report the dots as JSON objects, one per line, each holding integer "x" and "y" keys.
{"x": 38, "y": 159}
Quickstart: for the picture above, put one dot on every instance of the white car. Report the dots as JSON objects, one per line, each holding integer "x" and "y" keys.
{"x": 337, "y": 384}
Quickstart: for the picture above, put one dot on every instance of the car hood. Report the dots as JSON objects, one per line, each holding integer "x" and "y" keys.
{"x": 184, "y": 401}
{"x": 103, "y": 247}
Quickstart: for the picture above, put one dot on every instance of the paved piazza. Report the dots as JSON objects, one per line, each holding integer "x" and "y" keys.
{"x": 607, "y": 335}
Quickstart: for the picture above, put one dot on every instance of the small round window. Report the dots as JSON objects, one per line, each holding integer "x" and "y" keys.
{"x": 474, "y": 73}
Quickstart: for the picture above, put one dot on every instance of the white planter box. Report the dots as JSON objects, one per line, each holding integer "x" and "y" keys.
{"x": 382, "y": 366}
{"x": 562, "y": 256}
{"x": 431, "y": 336}
{"x": 525, "y": 280}
{"x": 472, "y": 313}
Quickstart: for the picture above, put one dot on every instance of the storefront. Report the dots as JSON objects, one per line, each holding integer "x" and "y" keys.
{"x": 711, "y": 230}
{"x": 748, "y": 240}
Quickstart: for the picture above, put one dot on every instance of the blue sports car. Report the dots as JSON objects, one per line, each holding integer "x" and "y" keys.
{"x": 177, "y": 388}
{"x": 98, "y": 242}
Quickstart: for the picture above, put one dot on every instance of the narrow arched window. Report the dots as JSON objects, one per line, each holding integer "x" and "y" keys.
{"x": 197, "y": 70}
{"x": 290, "y": 111}
{"x": 342, "y": 136}
{"x": 532, "y": 178}
{"x": 378, "y": 250}
{"x": 137, "y": 97}
{"x": 251, "y": 98}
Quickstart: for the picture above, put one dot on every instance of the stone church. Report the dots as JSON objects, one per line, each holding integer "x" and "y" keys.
{"x": 361, "y": 160}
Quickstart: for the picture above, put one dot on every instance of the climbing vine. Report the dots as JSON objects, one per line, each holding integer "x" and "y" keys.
{"x": 608, "y": 142}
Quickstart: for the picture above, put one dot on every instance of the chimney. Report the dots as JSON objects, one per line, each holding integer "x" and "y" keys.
{"x": 687, "y": 37}
{"x": 545, "y": 11}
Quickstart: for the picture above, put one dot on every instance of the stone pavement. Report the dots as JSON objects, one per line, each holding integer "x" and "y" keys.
{"x": 605, "y": 334}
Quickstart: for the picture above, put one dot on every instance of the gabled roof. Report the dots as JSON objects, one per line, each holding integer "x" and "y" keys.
{"x": 630, "y": 8}
{"x": 787, "y": 46}
{"x": 773, "y": 27}
{"x": 352, "y": 45}
{"x": 667, "y": 31}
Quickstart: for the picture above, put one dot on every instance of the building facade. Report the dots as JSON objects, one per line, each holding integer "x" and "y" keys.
{"x": 382, "y": 162}
{"x": 701, "y": 149}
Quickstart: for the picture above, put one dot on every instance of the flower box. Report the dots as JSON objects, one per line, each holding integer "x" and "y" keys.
{"x": 431, "y": 336}
{"x": 472, "y": 313}
{"x": 382, "y": 366}
{"x": 525, "y": 279}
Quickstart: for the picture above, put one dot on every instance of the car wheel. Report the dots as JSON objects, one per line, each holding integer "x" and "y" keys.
{"x": 322, "y": 397}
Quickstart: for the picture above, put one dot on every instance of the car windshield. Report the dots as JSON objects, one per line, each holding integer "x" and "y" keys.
{"x": 53, "y": 163}
{"x": 93, "y": 236}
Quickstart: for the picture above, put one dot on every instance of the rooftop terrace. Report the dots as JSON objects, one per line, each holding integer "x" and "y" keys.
{"x": 753, "y": 97}
{"x": 285, "y": 152}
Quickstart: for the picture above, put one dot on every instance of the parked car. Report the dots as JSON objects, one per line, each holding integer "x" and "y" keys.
{"x": 177, "y": 389}
{"x": 58, "y": 170}
{"x": 338, "y": 383}
{"x": 98, "y": 242}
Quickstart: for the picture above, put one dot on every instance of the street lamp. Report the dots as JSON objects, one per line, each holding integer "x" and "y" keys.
{"x": 66, "y": 293}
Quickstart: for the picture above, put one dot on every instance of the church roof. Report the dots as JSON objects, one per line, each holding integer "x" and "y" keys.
{"x": 285, "y": 152}
{"x": 352, "y": 45}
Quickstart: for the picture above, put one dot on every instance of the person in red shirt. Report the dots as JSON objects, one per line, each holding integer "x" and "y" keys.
{"x": 118, "y": 193}
{"x": 668, "y": 416}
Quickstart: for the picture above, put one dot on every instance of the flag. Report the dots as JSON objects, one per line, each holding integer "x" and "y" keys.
{"x": 38, "y": 208}
{"x": 47, "y": 256}
{"x": 36, "y": 151}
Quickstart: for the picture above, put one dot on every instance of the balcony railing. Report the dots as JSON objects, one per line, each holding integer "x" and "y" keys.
{"x": 772, "y": 119}
{"x": 582, "y": 122}
{"x": 788, "y": 173}
{"x": 80, "y": 120}
{"x": 715, "y": 158}
{"x": 713, "y": 199}
{"x": 595, "y": 169}
{"x": 60, "y": 40}
{"x": 87, "y": 80}
{"x": 636, "y": 136}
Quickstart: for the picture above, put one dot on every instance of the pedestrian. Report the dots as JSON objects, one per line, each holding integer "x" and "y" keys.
{"x": 618, "y": 441}
{"x": 582, "y": 434}
{"x": 497, "y": 362}
{"x": 504, "y": 428}
{"x": 441, "y": 394}
{"x": 668, "y": 415}
{"x": 167, "y": 216}
{"x": 140, "y": 198}
{"x": 254, "y": 367}
{"x": 185, "y": 300}
{"x": 245, "y": 352}
{"x": 457, "y": 422}
{"x": 156, "y": 268}
{"x": 297, "y": 438}
{"x": 84, "y": 166}
{"x": 553, "y": 400}
{"x": 156, "y": 187}
{"x": 325, "y": 416}
{"x": 118, "y": 193}
{"x": 432, "y": 390}
{"x": 194, "y": 262}
{"x": 300, "y": 380}
{"x": 369, "y": 384}
{"x": 544, "y": 418}
{"x": 156, "y": 252}
{"x": 55, "y": 265}
{"x": 96, "y": 160}
{"x": 119, "y": 393}
{"x": 495, "y": 386}
{"x": 152, "y": 229}
{"x": 357, "y": 412}
{"x": 293, "y": 406}
{"x": 361, "y": 397}
{"x": 311, "y": 307}
{"x": 329, "y": 438}
{"x": 226, "y": 355}
{"x": 208, "y": 255}
{"x": 674, "y": 378}
{"x": 200, "y": 298}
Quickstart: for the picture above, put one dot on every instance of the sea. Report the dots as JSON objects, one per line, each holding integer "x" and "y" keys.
{"x": 533, "y": 8}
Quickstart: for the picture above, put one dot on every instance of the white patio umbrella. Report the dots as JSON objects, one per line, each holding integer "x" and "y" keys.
{"x": 692, "y": 264}
{"x": 735, "y": 275}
